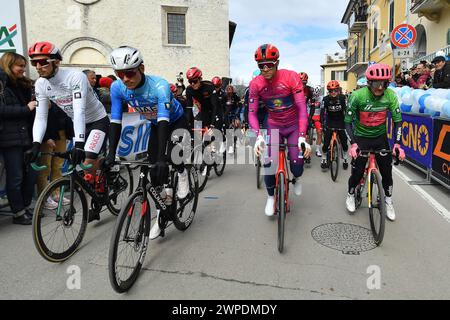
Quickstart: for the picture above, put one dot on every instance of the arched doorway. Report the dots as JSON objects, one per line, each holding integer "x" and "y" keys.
{"x": 420, "y": 45}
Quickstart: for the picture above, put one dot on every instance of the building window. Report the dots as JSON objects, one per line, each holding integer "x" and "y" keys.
{"x": 448, "y": 37}
{"x": 364, "y": 48}
{"x": 391, "y": 16}
{"x": 339, "y": 75}
{"x": 176, "y": 28}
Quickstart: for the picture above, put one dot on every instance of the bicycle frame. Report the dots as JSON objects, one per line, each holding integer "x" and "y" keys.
{"x": 282, "y": 165}
{"x": 370, "y": 168}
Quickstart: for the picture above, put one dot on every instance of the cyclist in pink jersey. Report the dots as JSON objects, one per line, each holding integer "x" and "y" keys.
{"x": 283, "y": 96}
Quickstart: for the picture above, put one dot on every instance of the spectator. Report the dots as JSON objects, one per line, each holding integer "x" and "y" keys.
{"x": 423, "y": 78}
{"x": 92, "y": 77}
{"x": 104, "y": 92}
{"x": 441, "y": 78}
{"x": 16, "y": 122}
{"x": 59, "y": 130}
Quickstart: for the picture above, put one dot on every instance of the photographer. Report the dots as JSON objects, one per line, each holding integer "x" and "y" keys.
{"x": 423, "y": 77}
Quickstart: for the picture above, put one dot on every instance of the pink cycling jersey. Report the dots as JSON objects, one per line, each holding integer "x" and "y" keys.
{"x": 283, "y": 97}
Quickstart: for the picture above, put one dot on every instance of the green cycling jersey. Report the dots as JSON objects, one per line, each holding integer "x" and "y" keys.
{"x": 368, "y": 113}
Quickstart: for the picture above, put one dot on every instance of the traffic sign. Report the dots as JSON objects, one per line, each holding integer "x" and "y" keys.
{"x": 403, "y": 36}
{"x": 403, "y": 53}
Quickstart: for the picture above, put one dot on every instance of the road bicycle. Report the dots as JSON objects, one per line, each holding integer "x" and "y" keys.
{"x": 335, "y": 153}
{"x": 206, "y": 157}
{"x": 375, "y": 193}
{"x": 282, "y": 206}
{"x": 130, "y": 238}
{"x": 57, "y": 233}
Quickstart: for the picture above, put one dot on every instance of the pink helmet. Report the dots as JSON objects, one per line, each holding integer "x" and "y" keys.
{"x": 379, "y": 72}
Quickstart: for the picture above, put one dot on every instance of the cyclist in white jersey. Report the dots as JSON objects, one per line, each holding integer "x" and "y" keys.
{"x": 70, "y": 90}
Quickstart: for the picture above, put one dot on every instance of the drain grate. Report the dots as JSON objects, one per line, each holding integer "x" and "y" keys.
{"x": 348, "y": 238}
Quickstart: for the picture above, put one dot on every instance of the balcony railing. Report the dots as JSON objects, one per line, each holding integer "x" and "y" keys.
{"x": 356, "y": 61}
{"x": 358, "y": 20}
{"x": 431, "y": 56}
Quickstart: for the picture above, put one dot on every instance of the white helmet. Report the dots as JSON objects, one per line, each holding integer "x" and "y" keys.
{"x": 125, "y": 57}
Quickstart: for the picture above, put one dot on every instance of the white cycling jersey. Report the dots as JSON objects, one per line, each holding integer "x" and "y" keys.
{"x": 70, "y": 90}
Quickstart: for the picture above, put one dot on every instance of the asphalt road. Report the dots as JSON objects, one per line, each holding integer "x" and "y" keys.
{"x": 230, "y": 250}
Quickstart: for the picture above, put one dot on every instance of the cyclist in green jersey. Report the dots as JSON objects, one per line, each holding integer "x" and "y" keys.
{"x": 365, "y": 123}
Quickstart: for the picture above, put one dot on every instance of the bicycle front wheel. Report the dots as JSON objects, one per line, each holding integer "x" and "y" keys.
{"x": 129, "y": 243}
{"x": 57, "y": 232}
{"x": 334, "y": 161}
{"x": 220, "y": 162}
{"x": 377, "y": 207}
{"x": 281, "y": 210}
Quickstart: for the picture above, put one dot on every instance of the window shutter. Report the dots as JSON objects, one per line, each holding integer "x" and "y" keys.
{"x": 333, "y": 75}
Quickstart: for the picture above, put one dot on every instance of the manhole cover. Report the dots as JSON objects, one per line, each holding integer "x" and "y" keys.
{"x": 347, "y": 238}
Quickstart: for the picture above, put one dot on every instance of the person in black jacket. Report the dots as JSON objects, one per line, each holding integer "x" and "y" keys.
{"x": 16, "y": 117}
{"x": 441, "y": 78}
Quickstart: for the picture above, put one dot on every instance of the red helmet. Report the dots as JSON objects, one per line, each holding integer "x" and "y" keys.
{"x": 45, "y": 48}
{"x": 267, "y": 52}
{"x": 379, "y": 72}
{"x": 303, "y": 76}
{"x": 194, "y": 73}
{"x": 217, "y": 82}
{"x": 173, "y": 88}
{"x": 332, "y": 85}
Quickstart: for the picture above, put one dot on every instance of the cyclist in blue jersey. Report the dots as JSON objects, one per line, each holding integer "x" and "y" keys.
{"x": 151, "y": 97}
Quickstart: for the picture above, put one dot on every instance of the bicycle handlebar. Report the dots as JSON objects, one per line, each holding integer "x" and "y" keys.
{"x": 63, "y": 155}
{"x": 385, "y": 151}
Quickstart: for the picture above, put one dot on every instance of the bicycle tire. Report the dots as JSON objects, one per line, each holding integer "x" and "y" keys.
{"x": 310, "y": 136}
{"x": 115, "y": 208}
{"x": 377, "y": 217}
{"x": 141, "y": 240}
{"x": 334, "y": 164}
{"x": 281, "y": 211}
{"x": 192, "y": 198}
{"x": 65, "y": 223}
{"x": 235, "y": 155}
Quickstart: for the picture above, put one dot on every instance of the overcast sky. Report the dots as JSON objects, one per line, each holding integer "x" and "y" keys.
{"x": 303, "y": 30}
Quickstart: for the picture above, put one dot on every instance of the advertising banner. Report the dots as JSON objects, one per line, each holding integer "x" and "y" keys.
{"x": 441, "y": 152}
{"x": 11, "y": 33}
{"x": 135, "y": 135}
{"x": 417, "y": 137}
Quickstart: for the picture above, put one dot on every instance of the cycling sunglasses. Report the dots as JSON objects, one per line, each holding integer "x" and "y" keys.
{"x": 194, "y": 81}
{"x": 268, "y": 65}
{"x": 126, "y": 73}
{"x": 334, "y": 91}
{"x": 41, "y": 62}
{"x": 379, "y": 84}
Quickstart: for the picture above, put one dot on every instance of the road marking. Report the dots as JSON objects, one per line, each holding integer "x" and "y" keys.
{"x": 425, "y": 195}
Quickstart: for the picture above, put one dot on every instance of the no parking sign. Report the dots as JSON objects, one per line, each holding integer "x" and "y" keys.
{"x": 403, "y": 36}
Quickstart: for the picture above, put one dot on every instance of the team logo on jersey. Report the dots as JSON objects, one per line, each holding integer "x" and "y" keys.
{"x": 77, "y": 87}
{"x": 77, "y": 95}
{"x": 48, "y": 88}
{"x": 278, "y": 103}
{"x": 167, "y": 106}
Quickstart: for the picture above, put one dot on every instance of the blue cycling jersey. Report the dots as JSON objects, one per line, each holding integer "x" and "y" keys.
{"x": 153, "y": 100}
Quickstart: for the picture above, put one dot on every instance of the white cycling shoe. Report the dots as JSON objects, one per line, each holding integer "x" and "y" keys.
{"x": 270, "y": 206}
{"x": 350, "y": 202}
{"x": 390, "y": 211}
{"x": 183, "y": 185}
{"x": 155, "y": 232}
{"x": 298, "y": 188}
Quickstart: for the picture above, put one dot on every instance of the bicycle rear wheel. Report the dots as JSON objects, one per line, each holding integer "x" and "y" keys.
{"x": 334, "y": 161}
{"x": 185, "y": 208}
{"x": 220, "y": 163}
{"x": 377, "y": 207}
{"x": 58, "y": 232}
{"x": 202, "y": 168}
{"x": 129, "y": 243}
{"x": 281, "y": 210}
{"x": 121, "y": 187}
